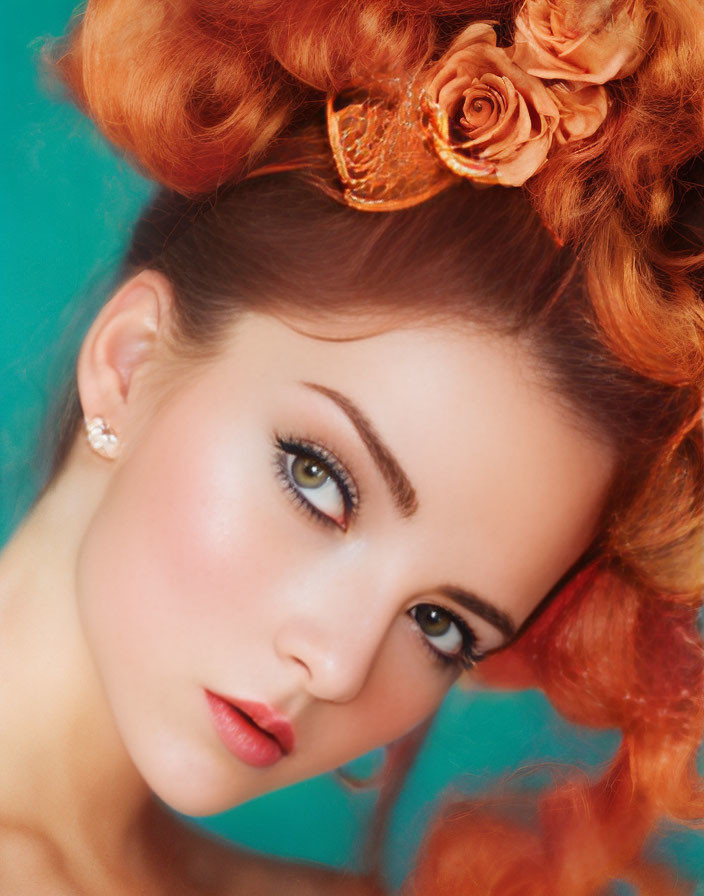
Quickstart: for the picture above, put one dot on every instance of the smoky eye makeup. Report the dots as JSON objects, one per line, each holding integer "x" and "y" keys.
{"x": 316, "y": 480}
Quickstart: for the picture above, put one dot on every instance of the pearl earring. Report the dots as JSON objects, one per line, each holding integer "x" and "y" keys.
{"x": 102, "y": 438}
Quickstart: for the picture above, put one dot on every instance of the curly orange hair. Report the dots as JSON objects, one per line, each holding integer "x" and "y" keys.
{"x": 198, "y": 94}
{"x": 607, "y": 656}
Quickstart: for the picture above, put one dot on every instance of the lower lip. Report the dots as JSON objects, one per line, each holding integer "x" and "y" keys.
{"x": 241, "y": 737}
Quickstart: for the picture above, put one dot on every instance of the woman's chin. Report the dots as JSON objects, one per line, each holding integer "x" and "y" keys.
{"x": 200, "y": 795}
{"x": 198, "y": 782}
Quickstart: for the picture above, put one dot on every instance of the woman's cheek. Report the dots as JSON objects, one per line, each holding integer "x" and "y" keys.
{"x": 174, "y": 564}
{"x": 404, "y": 687}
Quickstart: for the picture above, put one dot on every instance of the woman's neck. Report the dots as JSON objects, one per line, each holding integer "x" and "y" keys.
{"x": 64, "y": 771}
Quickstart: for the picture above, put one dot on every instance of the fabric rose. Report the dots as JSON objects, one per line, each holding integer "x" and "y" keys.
{"x": 487, "y": 118}
{"x": 582, "y": 108}
{"x": 548, "y": 45}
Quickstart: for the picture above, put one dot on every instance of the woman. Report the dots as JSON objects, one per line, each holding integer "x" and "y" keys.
{"x": 285, "y": 529}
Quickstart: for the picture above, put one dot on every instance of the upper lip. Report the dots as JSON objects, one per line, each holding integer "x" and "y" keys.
{"x": 269, "y": 720}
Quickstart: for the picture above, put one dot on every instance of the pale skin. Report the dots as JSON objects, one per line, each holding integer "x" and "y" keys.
{"x": 194, "y": 561}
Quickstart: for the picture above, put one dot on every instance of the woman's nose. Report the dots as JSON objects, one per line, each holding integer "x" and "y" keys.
{"x": 335, "y": 648}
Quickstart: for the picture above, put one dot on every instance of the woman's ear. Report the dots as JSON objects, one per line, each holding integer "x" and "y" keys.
{"x": 124, "y": 336}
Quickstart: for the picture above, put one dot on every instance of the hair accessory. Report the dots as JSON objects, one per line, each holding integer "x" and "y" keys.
{"x": 560, "y": 40}
{"x": 483, "y": 112}
{"x": 101, "y": 438}
{"x": 382, "y": 150}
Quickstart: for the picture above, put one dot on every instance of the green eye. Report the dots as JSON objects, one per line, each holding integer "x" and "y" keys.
{"x": 308, "y": 472}
{"x": 449, "y": 637}
{"x": 317, "y": 481}
{"x": 433, "y": 621}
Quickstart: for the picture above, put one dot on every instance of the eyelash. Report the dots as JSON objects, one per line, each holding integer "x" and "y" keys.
{"x": 302, "y": 448}
{"x": 467, "y": 658}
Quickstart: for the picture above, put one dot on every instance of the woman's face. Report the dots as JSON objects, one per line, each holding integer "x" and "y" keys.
{"x": 305, "y": 542}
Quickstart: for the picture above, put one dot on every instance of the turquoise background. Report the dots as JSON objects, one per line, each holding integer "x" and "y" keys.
{"x": 68, "y": 204}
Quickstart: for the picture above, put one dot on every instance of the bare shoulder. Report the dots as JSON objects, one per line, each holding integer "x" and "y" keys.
{"x": 227, "y": 871}
{"x": 272, "y": 877}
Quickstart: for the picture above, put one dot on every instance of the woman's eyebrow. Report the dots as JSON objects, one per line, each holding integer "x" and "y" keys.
{"x": 402, "y": 492}
{"x": 480, "y": 607}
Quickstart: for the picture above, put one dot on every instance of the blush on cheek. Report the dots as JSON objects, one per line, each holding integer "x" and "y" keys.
{"x": 167, "y": 538}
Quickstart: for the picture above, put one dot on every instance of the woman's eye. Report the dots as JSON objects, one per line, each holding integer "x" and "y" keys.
{"x": 448, "y": 637}
{"x": 316, "y": 484}
{"x": 320, "y": 484}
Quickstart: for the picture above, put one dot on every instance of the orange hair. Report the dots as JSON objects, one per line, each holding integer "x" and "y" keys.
{"x": 199, "y": 93}
{"x": 196, "y": 93}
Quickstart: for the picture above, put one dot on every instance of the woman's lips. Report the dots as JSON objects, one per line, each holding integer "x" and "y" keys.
{"x": 252, "y": 732}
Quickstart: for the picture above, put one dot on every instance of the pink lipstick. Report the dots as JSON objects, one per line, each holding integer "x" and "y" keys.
{"x": 252, "y": 732}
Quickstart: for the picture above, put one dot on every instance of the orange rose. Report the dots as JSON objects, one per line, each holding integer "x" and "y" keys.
{"x": 487, "y": 118}
{"x": 582, "y": 110}
{"x": 547, "y": 45}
